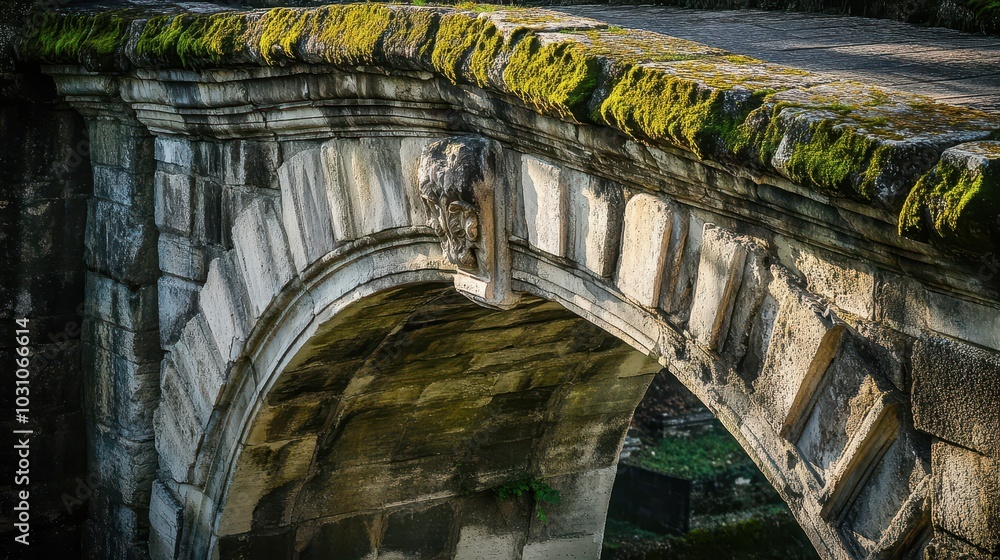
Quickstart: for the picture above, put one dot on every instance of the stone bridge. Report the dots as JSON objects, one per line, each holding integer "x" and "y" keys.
{"x": 351, "y": 269}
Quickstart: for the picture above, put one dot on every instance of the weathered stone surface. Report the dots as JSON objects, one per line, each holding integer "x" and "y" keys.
{"x": 178, "y": 301}
{"x": 648, "y": 225}
{"x": 966, "y": 485}
{"x": 224, "y": 302}
{"x": 304, "y": 208}
{"x": 117, "y": 303}
{"x": 719, "y": 277}
{"x": 596, "y": 211}
{"x": 173, "y": 202}
{"x": 956, "y": 393}
{"x": 545, "y": 205}
{"x": 963, "y": 319}
{"x": 802, "y": 340}
{"x": 165, "y": 519}
{"x": 120, "y": 393}
{"x": 262, "y": 254}
{"x": 126, "y": 467}
{"x": 118, "y": 246}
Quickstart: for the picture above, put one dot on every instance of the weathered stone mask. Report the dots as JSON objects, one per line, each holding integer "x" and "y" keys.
{"x": 448, "y": 170}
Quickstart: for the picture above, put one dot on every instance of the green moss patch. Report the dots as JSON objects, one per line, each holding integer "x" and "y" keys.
{"x": 958, "y": 202}
{"x": 650, "y": 104}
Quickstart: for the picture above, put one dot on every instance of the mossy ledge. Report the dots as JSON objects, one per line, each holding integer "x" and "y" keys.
{"x": 840, "y": 139}
{"x": 958, "y": 202}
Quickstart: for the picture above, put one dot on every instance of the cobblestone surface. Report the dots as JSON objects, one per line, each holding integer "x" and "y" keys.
{"x": 954, "y": 67}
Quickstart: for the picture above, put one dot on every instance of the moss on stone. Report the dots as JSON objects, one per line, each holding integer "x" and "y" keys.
{"x": 554, "y": 78}
{"x": 92, "y": 40}
{"x": 457, "y": 35}
{"x": 647, "y": 103}
{"x": 958, "y": 203}
{"x": 194, "y": 41}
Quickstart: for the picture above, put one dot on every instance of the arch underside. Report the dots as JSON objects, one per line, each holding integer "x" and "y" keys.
{"x": 389, "y": 431}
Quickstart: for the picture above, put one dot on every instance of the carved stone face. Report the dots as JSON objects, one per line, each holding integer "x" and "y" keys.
{"x": 448, "y": 170}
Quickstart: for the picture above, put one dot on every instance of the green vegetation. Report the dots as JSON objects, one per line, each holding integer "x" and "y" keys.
{"x": 772, "y": 534}
{"x": 649, "y": 104}
{"x": 955, "y": 204}
{"x": 540, "y": 492}
{"x": 555, "y": 78}
{"x": 735, "y": 511}
{"x": 985, "y": 8}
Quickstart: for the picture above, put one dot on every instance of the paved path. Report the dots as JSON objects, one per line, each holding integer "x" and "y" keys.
{"x": 955, "y": 67}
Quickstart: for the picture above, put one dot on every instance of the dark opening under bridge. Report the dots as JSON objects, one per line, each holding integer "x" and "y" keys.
{"x": 348, "y": 269}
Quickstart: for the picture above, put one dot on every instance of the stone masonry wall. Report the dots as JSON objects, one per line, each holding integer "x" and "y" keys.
{"x": 45, "y": 182}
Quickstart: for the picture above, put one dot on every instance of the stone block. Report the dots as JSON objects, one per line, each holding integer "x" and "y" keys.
{"x": 963, "y": 319}
{"x": 248, "y": 163}
{"x": 200, "y": 368}
{"x": 720, "y": 273}
{"x": 582, "y": 507}
{"x": 596, "y": 213}
{"x": 165, "y": 522}
{"x": 583, "y": 547}
{"x": 645, "y": 240}
{"x": 545, "y": 205}
{"x": 140, "y": 347}
{"x": 121, "y": 393}
{"x": 304, "y": 207}
{"x": 119, "y": 144}
{"x": 369, "y": 177}
{"x": 175, "y": 151}
{"x": 224, "y": 302}
{"x": 120, "y": 245}
{"x": 262, "y": 253}
{"x": 130, "y": 308}
{"x": 206, "y": 212}
{"x": 850, "y": 285}
{"x": 797, "y": 347}
{"x": 124, "y": 187}
{"x": 476, "y": 542}
{"x": 173, "y": 202}
{"x": 966, "y": 496}
{"x": 178, "y": 301}
{"x": 182, "y": 257}
{"x": 956, "y": 393}
{"x": 178, "y": 430}
{"x": 126, "y": 467}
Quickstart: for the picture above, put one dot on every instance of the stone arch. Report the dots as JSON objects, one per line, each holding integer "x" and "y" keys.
{"x": 774, "y": 361}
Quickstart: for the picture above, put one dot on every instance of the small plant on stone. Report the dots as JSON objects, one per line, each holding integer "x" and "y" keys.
{"x": 541, "y": 492}
{"x": 419, "y": 2}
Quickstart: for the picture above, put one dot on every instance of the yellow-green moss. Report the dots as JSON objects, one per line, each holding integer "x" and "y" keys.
{"x": 558, "y": 77}
{"x": 194, "y": 41}
{"x": 351, "y": 34}
{"x": 92, "y": 40}
{"x": 652, "y": 104}
{"x": 457, "y": 35}
{"x": 956, "y": 205}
